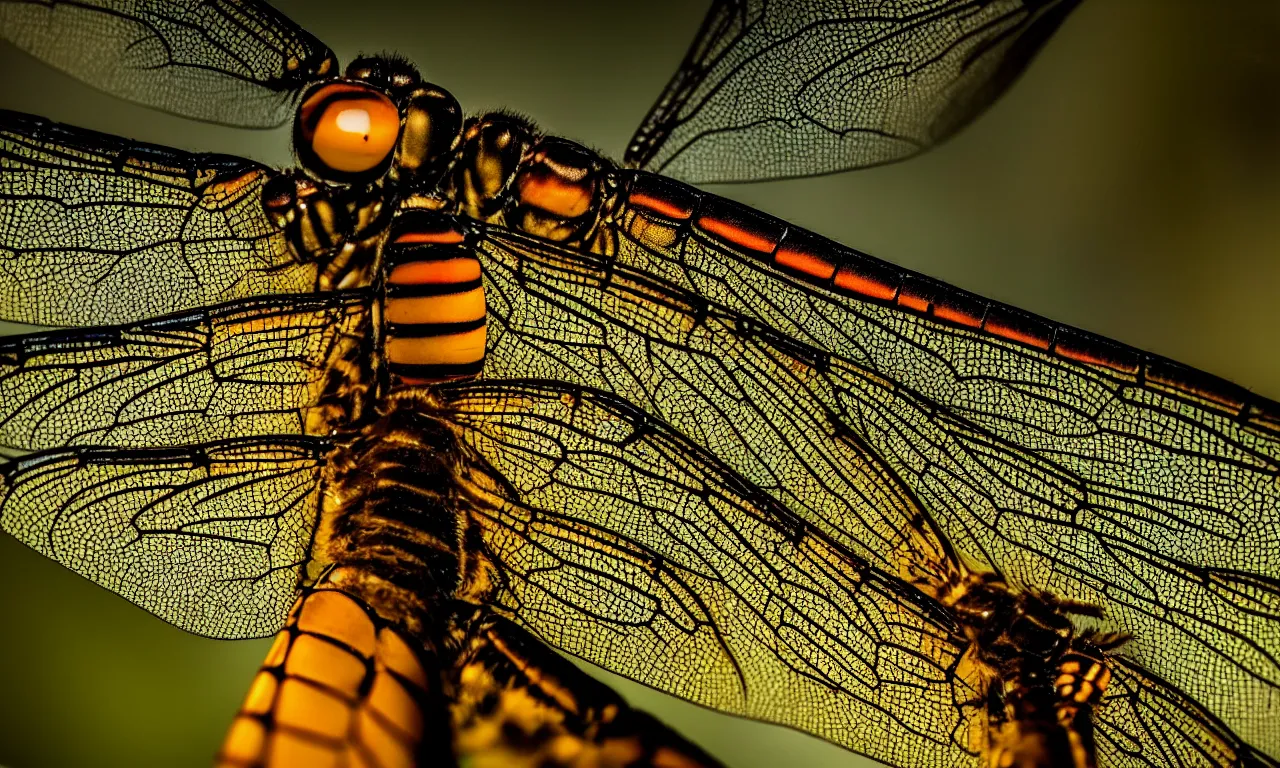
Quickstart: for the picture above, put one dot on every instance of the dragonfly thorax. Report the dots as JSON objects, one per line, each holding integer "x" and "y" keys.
{"x": 391, "y": 506}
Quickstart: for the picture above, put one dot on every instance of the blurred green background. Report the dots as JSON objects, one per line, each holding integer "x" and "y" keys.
{"x": 1129, "y": 184}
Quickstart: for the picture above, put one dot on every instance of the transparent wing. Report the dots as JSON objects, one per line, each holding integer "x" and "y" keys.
{"x": 235, "y": 62}
{"x": 803, "y": 87}
{"x": 620, "y": 542}
{"x": 96, "y": 229}
{"x": 210, "y": 538}
{"x": 516, "y": 702}
{"x": 1150, "y": 490}
{"x": 248, "y": 368}
{"x": 1144, "y": 721}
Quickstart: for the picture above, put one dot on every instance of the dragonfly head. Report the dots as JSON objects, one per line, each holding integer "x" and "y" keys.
{"x": 346, "y": 131}
{"x": 378, "y": 120}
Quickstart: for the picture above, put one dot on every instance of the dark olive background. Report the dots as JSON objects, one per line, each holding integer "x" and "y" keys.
{"x": 1128, "y": 184}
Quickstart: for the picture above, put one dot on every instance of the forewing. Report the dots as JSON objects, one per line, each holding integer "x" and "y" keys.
{"x": 209, "y": 538}
{"x": 252, "y": 367}
{"x": 96, "y": 229}
{"x": 557, "y": 314}
{"x": 802, "y": 87}
{"x": 1148, "y": 489}
{"x": 235, "y": 62}
{"x": 621, "y": 542}
{"x": 1145, "y": 721}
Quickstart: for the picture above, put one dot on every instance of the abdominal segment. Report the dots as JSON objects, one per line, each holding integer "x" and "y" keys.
{"x": 340, "y": 686}
{"x": 434, "y": 311}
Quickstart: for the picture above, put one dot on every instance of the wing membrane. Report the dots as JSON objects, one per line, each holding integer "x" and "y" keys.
{"x": 623, "y": 543}
{"x": 209, "y": 538}
{"x": 96, "y": 229}
{"x": 1144, "y": 721}
{"x": 1061, "y": 476}
{"x": 516, "y": 702}
{"x": 558, "y": 315}
{"x": 246, "y": 368}
{"x": 236, "y": 62}
{"x": 778, "y": 89}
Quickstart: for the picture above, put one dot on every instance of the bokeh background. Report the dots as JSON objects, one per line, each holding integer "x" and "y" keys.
{"x": 1129, "y": 184}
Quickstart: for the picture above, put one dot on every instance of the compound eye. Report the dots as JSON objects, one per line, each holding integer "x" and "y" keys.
{"x": 346, "y": 131}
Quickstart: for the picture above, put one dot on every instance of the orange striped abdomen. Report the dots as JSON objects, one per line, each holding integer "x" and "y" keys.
{"x": 339, "y": 687}
{"x": 434, "y": 310}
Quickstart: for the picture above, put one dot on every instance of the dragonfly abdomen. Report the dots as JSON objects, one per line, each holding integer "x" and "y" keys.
{"x": 341, "y": 685}
{"x": 434, "y": 310}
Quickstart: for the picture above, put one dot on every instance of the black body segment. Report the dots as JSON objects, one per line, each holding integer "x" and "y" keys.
{"x": 433, "y": 306}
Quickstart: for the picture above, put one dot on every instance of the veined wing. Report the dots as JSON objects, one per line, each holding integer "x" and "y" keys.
{"x": 802, "y": 87}
{"x": 619, "y": 541}
{"x": 252, "y": 367}
{"x": 515, "y": 701}
{"x": 96, "y": 229}
{"x": 1063, "y": 461}
{"x": 236, "y": 62}
{"x": 347, "y": 683}
{"x": 210, "y": 538}
{"x": 1145, "y": 721}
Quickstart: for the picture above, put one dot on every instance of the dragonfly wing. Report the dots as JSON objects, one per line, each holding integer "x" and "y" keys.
{"x": 209, "y": 538}
{"x": 516, "y": 702}
{"x": 235, "y": 62}
{"x": 1145, "y": 721}
{"x": 252, "y": 367}
{"x": 621, "y": 542}
{"x": 779, "y": 89}
{"x": 561, "y": 315}
{"x": 1063, "y": 461}
{"x": 97, "y": 229}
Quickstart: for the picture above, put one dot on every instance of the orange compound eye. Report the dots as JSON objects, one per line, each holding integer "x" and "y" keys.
{"x": 346, "y": 130}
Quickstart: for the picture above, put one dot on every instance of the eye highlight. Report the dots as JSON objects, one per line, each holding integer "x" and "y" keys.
{"x": 346, "y": 130}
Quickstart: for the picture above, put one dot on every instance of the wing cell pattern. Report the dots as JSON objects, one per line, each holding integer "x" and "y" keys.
{"x": 514, "y": 701}
{"x": 211, "y": 539}
{"x": 96, "y": 229}
{"x": 235, "y": 62}
{"x": 778, "y": 89}
{"x": 622, "y": 543}
{"x": 1059, "y": 476}
{"x": 1144, "y": 721}
{"x": 247, "y": 368}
